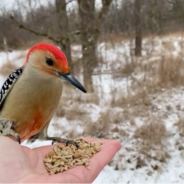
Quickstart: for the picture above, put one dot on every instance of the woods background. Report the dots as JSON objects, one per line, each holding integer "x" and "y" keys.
{"x": 129, "y": 54}
{"x": 83, "y": 24}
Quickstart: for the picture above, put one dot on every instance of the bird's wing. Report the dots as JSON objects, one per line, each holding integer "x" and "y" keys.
{"x": 8, "y": 84}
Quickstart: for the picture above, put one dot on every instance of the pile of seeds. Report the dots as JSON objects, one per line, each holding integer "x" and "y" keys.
{"x": 61, "y": 157}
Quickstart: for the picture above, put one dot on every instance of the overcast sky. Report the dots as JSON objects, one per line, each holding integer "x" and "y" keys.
{"x": 13, "y": 4}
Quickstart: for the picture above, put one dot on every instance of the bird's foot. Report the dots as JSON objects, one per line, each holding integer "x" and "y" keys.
{"x": 6, "y": 129}
{"x": 62, "y": 140}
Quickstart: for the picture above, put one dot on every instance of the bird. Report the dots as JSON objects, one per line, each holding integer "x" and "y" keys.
{"x": 31, "y": 94}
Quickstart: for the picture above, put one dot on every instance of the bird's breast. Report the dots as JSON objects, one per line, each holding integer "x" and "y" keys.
{"x": 32, "y": 105}
{"x": 30, "y": 127}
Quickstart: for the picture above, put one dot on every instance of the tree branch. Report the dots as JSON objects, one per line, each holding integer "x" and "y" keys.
{"x": 21, "y": 26}
{"x": 37, "y": 33}
{"x": 105, "y": 7}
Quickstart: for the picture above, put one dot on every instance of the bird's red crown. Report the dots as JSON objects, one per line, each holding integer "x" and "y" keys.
{"x": 55, "y": 51}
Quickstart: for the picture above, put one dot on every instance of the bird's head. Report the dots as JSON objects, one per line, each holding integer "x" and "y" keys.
{"x": 52, "y": 61}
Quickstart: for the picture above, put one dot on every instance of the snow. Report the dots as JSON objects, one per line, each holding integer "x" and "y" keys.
{"x": 166, "y": 104}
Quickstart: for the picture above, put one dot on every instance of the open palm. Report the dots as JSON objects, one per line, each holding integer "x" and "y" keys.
{"x": 21, "y": 164}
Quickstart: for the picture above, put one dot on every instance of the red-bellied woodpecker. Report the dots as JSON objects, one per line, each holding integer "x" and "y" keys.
{"x": 31, "y": 94}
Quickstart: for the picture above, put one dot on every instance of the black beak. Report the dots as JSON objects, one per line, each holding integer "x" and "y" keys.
{"x": 72, "y": 80}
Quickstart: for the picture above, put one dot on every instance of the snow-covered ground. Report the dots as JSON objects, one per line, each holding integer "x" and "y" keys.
{"x": 149, "y": 126}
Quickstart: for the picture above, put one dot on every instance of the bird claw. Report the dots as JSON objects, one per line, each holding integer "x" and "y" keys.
{"x": 71, "y": 142}
{"x": 6, "y": 129}
{"x": 61, "y": 140}
{"x": 18, "y": 138}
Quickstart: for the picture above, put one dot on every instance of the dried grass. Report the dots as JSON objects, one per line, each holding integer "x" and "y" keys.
{"x": 60, "y": 112}
{"x": 71, "y": 93}
{"x": 169, "y": 45}
{"x": 152, "y": 136}
{"x": 179, "y": 144}
{"x": 7, "y": 68}
{"x": 153, "y": 132}
{"x": 101, "y": 127}
{"x": 72, "y": 110}
{"x": 171, "y": 71}
{"x": 128, "y": 69}
{"x": 180, "y": 126}
{"x": 140, "y": 98}
{"x": 75, "y": 114}
{"x": 116, "y": 38}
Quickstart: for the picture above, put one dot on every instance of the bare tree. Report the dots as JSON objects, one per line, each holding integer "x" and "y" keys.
{"x": 90, "y": 30}
{"x": 177, "y": 9}
{"x": 87, "y": 16}
{"x": 62, "y": 22}
{"x": 138, "y": 27}
{"x": 63, "y": 38}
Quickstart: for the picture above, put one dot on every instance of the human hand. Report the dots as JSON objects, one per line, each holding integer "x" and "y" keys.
{"x": 22, "y": 164}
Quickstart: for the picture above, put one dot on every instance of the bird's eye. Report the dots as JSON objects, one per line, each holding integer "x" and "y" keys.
{"x": 49, "y": 61}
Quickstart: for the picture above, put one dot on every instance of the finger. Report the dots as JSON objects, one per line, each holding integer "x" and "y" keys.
{"x": 97, "y": 163}
{"x": 104, "y": 141}
{"x": 80, "y": 173}
{"x": 45, "y": 149}
{"x": 6, "y": 144}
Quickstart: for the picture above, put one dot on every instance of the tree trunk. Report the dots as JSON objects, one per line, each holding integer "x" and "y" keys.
{"x": 138, "y": 28}
{"x": 90, "y": 31}
{"x": 88, "y": 38}
{"x": 62, "y": 21}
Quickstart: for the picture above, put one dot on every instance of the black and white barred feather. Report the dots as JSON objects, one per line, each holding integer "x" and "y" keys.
{"x": 8, "y": 84}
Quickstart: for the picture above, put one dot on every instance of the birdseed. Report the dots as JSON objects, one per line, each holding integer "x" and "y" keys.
{"x": 61, "y": 157}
